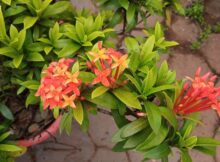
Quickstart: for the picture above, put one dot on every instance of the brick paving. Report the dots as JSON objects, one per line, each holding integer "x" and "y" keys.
{"x": 95, "y": 145}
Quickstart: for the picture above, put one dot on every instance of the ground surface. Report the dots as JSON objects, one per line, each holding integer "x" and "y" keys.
{"x": 95, "y": 146}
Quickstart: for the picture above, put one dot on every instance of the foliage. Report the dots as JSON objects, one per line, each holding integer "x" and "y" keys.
{"x": 66, "y": 57}
{"x": 133, "y": 12}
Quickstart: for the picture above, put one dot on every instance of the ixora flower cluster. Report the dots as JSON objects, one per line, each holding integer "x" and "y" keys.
{"x": 108, "y": 65}
{"x": 59, "y": 86}
{"x": 198, "y": 96}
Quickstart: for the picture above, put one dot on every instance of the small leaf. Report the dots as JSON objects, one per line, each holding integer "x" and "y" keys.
{"x": 158, "y": 152}
{"x": 148, "y": 45}
{"x": 5, "y": 111}
{"x": 159, "y": 89}
{"x": 35, "y": 57}
{"x": 207, "y": 141}
{"x": 17, "y": 60}
{"x": 154, "y": 116}
{"x": 75, "y": 67}
{"x": 185, "y": 157}
{"x": 86, "y": 77}
{"x": 130, "y": 14}
{"x": 29, "y": 21}
{"x": 9, "y": 147}
{"x": 127, "y": 97}
{"x": 31, "y": 84}
{"x": 99, "y": 91}
{"x": 31, "y": 99}
{"x": 134, "y": 127}
{"x": 124, "y": 3}
{"x": 169, "y": 115}
{"x": 78, "y": 112}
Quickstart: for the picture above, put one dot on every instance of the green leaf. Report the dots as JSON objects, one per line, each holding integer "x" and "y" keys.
{"x": 69, "y": 50}
{"x": 124, "y": 3}
{"x": 190, "y": 142}
{"x": 75, "y": 67}
{"x": 8, "y": 2}
{"x": 150, "y": 80}
{"x": 207, "y": 141}
{"x": 4, "y": 136}
{"x": 119, "y": 119}
{"x": 209, "y": 150}
{"x": 31, "y": 99}
{"x": 17, "y": 60}
{"x": 99, "y": 91}
{"x": 35, "y": 57}
{"x": 136, "y": 139}
{"x": 119, "y": 147}
{"x": 2, "y": 25}
{"x": 66, "y": 122}
{"x": 29, "y": 21}
{"x": 158, "y": 31}
{"x": 127, "y": 97}
{"x": 154, "y": 139}
{"x": 80, "y": 30}
{"x": 78, "y": 112}
{"x": 56, "y": 9}
{"x": 159, "y": 89}
{"x": 130, "y": 14}
{"x": 117, "y": 136}
{"x": 31, "y": 84}
{"x": 21, "y": 38}
{"x": 134, "y": 61}
{"x": 185, "y": 157}
{"x": 9, "y": 147}
{"x": 131, "y": 44}
{"x": 148, "y": 45}
{"x": 106, "y": 100}
{"x": 95, "y": 35}
{"x": 134, "y": 82}
{"x": 134, "y": 127}
{"x": 86, "y": 77}
{"x": 154, "y": 116}
{"x": 158, "y": 152}
{"x": 169, "y": 115}
{"x": 8, "y": 51}
{"x": 5, "y": 111}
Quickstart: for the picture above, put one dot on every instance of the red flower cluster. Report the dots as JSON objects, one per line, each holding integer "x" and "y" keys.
{"x": 199, "y": 95}
{"x": 59, "y": 87}
{"x": 108, "y": 65}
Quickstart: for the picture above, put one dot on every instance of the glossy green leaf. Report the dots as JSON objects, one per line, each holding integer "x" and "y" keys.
{"x": 124, "y": 3}
{"x": 207, "y": 141}
{"x": 99, "y": 91}
{"x": 17, "y": 60}
{"x": 154, "y": 139}
{"x": 5, "y": 111}
{"x": 5, "y": 135}
{"x": 31, "y": 99}
{"x": 130, "y": 14}
{"x": 106, "y": 100}
{"x": 78, "y": 112}
{"x": 134, "y": 82}
{"x": 9, "y": 147}
{"x": 185, "y": 157}
{"x": 131, "y": 44}
{"x": 134, "y": 127}
{"x": 8, "y": 2}
{"x": 169, "y": 115}
{"x": 154, "y": 116}
{"x": 158, "y": 152}
{"x": 127, "y": 97}
{"x": 35, "y": 57}
{"x": 148, "y": 45}
{"x": 2, "y": 25}
{"x": 29, "y": 21}
{"x": 31, "y": 84}
{"x": 86, "y": 77}
{"x": 159, "y": 89}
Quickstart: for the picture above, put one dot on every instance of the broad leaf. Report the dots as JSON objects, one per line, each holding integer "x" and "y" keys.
{"x": 99, "y": 91}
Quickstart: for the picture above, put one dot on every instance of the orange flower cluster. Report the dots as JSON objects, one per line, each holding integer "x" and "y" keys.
{"x": 59, "y": 87}
{"x": 108, "y": 65}
{"x": 198, "y": 96}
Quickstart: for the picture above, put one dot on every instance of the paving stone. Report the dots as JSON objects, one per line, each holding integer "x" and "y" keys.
{"x": 102, "y": 128}
{"x": 210, "y": 48}
{"x": 135, "y": 156}
{"x": 183, "y": 30}
{"x": 209, "y": 120}
{"x": 152, "y": 20}
{"x": 105, "y": 155}
{"x": 200, "y": 157}
{"x": 186, "y": 64}
{"x": 24, "y": 158}
{"x": 80, "y": 4}
{"x": 64, "y": 150}
{"x": 212, "y": 8}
